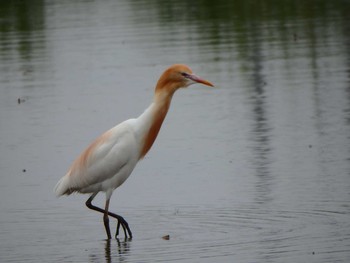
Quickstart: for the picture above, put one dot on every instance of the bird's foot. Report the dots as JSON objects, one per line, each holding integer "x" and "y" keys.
{"x": 127, "y": 232}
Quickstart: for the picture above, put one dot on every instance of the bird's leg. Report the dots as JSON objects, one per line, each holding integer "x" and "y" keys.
{"x": 117, "y": 230}
{"x": 106, "y": 220}
{"x": 105, "y": 213}
{"x": 121, "y": 220}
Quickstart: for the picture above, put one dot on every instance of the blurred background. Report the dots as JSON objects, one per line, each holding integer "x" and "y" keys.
{"x": 256, "y": 169}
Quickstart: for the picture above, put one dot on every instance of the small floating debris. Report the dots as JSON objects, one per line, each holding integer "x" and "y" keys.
{"x": 166, "y": 237}
{"x": 20, "y": 100}
{"x": 24, "y": 170}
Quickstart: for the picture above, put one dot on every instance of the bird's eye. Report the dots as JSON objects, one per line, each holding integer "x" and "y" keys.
{"x": 184, "y": 74}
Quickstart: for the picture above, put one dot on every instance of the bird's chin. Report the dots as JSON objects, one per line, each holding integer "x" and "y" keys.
{"x": 189, "y": 83}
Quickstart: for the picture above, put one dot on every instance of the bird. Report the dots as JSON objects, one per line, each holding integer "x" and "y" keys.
{"x": 110, "y": 159}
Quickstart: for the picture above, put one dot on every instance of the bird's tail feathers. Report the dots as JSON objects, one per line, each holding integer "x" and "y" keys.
{"x": 61, "y": 187}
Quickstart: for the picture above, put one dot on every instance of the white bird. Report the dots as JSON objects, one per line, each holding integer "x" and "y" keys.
{"x": 110, "y": 159}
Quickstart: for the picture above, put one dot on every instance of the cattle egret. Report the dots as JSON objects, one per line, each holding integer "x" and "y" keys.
{"x": 111, "y": 158}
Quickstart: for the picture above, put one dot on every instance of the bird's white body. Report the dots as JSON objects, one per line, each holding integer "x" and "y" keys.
{"x": 111, "y": 161}
{"x": 111, "y": 158}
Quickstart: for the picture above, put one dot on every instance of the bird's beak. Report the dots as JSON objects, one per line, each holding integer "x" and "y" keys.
{"x": 199, "y": 80}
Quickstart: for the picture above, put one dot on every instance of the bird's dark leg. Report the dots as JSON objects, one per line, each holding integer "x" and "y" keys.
{"x": 121, "y": 220}
{"x": 106, "y": 220}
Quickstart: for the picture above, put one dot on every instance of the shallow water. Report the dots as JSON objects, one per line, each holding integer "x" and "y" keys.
{"x": 255, "y": 170}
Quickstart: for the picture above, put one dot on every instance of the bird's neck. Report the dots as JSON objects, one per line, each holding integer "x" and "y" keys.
{"x": 152, "y": 120}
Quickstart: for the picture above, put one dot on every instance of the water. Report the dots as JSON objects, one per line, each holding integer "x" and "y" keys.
{"x": 255, "y": 170}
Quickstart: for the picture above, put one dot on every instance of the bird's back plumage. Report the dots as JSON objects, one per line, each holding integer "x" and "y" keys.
{"x": 105, "y": 164}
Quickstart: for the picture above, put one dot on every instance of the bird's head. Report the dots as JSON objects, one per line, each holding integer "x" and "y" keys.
{"x": 178, "y": 76}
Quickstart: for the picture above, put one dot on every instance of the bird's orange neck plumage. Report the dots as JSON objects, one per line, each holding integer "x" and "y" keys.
{"x": 162, "y": 98}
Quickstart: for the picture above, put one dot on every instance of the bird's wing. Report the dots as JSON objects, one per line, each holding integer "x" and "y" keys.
{"x": 105, "y": 157}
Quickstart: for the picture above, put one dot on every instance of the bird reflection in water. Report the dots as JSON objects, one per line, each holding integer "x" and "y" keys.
{"x": 116, "y": 249}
